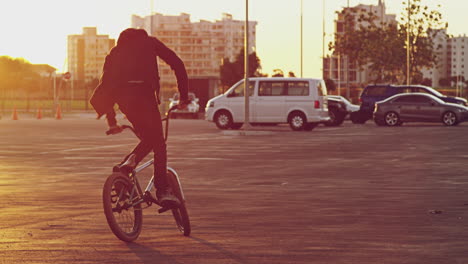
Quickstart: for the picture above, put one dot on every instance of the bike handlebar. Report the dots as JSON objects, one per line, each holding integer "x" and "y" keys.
{"x": 123, "y": 127}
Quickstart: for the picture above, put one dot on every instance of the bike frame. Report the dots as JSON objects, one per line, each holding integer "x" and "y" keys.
{"x": 146, "y": 195}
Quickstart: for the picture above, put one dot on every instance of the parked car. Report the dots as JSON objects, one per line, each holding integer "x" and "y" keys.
{"x": 418, "y": 107}
{"x": 301, "y": 102}
{"x": 374, "y": 93}
{"x": 191, "y": 110}
{"x": 338, "y": 109}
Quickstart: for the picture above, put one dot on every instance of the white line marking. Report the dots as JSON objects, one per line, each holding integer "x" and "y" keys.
{"x": 88, "y": 148}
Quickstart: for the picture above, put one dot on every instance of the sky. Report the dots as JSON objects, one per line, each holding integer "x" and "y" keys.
{"x": 37, "y": 29}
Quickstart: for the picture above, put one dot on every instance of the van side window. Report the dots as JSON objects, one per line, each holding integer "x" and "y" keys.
{"x": 271, "y": 88}
{"x": 298, "y": 88}
{"x": 239, "y": 90}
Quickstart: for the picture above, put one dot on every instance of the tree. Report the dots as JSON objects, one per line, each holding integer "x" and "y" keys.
{"x": 232, "y": 72}
{"x": 331, "y": 86}
{"x": 277, "y": 73}
{"x": 17, "y": 76}
{"x": 291, "y": 74}
{"x": 426, "y": 82}
{"x": 424, "y": 26}
{"x": 368, "y": 41}
{"x": 444, "y": 82}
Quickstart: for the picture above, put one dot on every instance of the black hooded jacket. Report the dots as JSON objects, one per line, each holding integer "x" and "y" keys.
{"x": 134, "y": 59}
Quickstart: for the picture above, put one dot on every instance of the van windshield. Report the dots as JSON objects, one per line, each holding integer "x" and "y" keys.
{"x": 321, "y": 88}
{"x": 238, "y": 91}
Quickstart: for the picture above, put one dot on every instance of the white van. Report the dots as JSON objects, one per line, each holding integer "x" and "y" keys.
{"x": 301, "y": 102}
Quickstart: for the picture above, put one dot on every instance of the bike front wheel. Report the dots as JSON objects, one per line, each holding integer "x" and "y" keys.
{"x": 180, "y": 214}
{"x": 123, "y": 216}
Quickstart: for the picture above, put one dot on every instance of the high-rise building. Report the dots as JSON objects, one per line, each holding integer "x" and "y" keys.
{"x": 338, "y": 68}
{"x": 86, "y": 54}
{"x": 201, "y": 45}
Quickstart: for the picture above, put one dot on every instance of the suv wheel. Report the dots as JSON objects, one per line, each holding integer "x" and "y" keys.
{"x": 310, "y": 126}
{"x": 379, "y": 122}
{"x": 336, "y": 117}
{"x": 223, "y": 120}
{"x": 237, "y": 125}
{"x": 392, "y": 119}
{"x": 449, "y": 118}
{"x": 358, "y": 117}
{"x": 297, "y": 121}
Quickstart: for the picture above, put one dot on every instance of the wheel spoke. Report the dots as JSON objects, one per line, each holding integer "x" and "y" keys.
{"x": 391, "y": 119}
{"x": 450, "y": 118}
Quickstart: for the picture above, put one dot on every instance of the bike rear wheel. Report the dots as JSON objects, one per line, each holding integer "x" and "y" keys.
{"x": 180, "y": 214}
{"x": 124, "y": 218}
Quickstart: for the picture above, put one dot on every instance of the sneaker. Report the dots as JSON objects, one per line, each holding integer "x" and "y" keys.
{"x": 126, "y": 166}
{"x": 166, "y": 198}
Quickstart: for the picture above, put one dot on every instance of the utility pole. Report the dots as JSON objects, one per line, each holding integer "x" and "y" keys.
{"x": 152, "y": 13}
{"x": 348, "y": 93}
{"x": 408, "y": 46}
{"x": 323, "y": 43}
{"x": 246, "y": 68}
{"x": 301, "y": 38}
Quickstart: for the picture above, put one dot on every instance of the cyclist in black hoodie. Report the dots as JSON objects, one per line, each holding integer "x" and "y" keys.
{"x": 130, "y": 79}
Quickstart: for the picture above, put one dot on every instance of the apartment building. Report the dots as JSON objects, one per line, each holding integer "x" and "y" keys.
{"x": 339, "y": 68}
{"x": 452, "y": 58}
{"x": 201, "y": 45}
{"x": 457, "y": 56}
{"x": 86, "y": 54}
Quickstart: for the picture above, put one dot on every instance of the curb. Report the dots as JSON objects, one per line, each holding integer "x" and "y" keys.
{"x": 247, "y": 133}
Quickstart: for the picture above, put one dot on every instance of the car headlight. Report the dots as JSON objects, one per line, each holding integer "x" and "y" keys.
{"x": 211, "y": 104}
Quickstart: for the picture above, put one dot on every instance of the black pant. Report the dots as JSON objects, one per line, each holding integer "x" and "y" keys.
{"x": 141, "y": 109}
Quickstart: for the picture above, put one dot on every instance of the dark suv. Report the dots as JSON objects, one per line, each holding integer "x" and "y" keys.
{"x": 374, "y": 93}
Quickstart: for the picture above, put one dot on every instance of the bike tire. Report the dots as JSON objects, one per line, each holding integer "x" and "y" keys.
{"x": 180, "y": 214}
{"x": 125, "y": 221}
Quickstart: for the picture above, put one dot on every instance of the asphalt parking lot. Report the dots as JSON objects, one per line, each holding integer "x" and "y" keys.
{"x": 348, "y": 194}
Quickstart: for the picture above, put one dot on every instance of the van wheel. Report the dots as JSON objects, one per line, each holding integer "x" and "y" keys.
{"x": 297, "y": 121}
{"x": 223, "y": 119}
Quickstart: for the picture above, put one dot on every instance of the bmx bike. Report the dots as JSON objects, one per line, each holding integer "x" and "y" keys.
{"x": 124, "y": 198}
